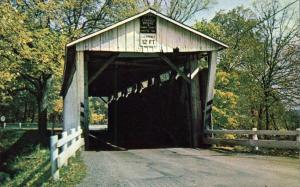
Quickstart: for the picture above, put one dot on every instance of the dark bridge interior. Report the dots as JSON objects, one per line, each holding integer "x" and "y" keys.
{"x": 148, "y": 102}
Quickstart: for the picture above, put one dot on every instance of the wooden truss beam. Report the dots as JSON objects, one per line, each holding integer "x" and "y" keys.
{"x": 102, "y": 68}
{"x": 174, "y": 67}
{"x": 136, "y": 64}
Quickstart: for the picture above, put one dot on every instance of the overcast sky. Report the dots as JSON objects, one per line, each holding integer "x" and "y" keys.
{"x": 220, "y": 5}
{"x": 228, "y": 5}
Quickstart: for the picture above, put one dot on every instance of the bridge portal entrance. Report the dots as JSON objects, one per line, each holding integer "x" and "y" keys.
{"x": 155, "y": 75}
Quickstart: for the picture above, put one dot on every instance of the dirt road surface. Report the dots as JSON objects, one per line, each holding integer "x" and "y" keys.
{"x": 182, "y": 167}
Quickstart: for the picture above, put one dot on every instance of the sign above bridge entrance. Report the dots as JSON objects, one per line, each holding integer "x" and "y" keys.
{"x": 148, "y": 31}
{"x": 148, "y": 24}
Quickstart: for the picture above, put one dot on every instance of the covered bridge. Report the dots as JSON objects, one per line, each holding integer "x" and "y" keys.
{"x": 157, "y": 74}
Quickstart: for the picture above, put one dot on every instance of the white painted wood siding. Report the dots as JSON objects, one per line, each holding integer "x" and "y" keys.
{"x": 126, "y": 38}
{"x": 70, "y": 112}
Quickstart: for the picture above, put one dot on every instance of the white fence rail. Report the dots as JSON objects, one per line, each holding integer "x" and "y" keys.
{"x": 62, "y": 149}
{"x": 253, "y": 140}
{"x": 27, "y": 126}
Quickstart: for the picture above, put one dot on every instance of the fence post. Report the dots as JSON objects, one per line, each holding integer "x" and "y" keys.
{"x": 64, "y": 135}
{"x": 73, "y": 140}
{"x": 255, "y": 137}
{"x": 77, "y": 130}
{"x": 79, "y": 137}
{"x": 20, "y": 125}
{"x": 298, "y": 138}
{"x": 53, "y": 157}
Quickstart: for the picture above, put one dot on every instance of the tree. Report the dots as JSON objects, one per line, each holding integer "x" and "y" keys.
{"x": 229, "y": 99}
{"x": 262, "y": 62}
{"x": 77, "y": 17}
{"x": 34, "y": 54}
{"x": 33, "y": 36}
{"x": 277, "y": 70}
{"x": 180, "y": 10}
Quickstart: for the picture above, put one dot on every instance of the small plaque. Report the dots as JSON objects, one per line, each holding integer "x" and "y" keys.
{"x": 148, "y": 24}
{"x": 147, "y": 40}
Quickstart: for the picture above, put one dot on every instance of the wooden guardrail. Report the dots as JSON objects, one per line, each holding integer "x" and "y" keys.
{"x": 253, "y": 140}
{"x": 62, "y": 149}
{"x": 28, "y": 126}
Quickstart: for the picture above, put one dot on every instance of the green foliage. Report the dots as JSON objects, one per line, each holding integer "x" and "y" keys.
{"x": 252, "y": 87}
{"x": 225, "y": 108}
{"x": 181, "y": 11}
{"x": 28, "y": 163}
{"x": 33, "y": 37}
{"x": 257, "y": 75}
{"x": 8, "y": 138}
{"x": 98, "y": 111}
{"x": 70, "y": 175}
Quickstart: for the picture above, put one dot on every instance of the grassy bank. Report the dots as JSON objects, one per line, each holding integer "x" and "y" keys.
{"x": 26, "y": 162}
{"x": 260, "y": 151}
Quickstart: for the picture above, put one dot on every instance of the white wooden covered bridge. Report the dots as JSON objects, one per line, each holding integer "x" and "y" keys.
{"x": 148, "y": 66}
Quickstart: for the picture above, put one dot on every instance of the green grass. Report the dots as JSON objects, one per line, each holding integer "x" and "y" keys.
{"x": 8, "y": 138}
{"x": 260, "y": 151}
{"x": 25, "y": 162}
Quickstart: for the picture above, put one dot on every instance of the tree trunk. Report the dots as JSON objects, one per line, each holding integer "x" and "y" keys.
{"x": 267, "y": 117}
{"x": 259, "y": 121}
{"x": 272, "y": 116}
{"x": 267, "y": 107}
{"x": 267, "y": 113}
{"x": 42, "y": 116}
{"x": 33, "y": 114}
{"x": 17, "y": 115}
{"x": 42, "y": 101}
{"x": 25, "y": 112}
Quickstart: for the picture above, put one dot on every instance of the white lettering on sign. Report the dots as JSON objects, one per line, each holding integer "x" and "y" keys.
{"x": 147, "y": 40}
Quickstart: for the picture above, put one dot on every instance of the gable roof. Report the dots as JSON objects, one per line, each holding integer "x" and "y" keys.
{"x": 141, "y": 14}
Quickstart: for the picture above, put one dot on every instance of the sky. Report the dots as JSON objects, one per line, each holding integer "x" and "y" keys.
{"x": 228, "y": 5}
{"x": 220, "y": 5}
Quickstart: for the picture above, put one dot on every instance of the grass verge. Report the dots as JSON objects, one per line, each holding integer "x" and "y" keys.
{"x": 260, "y": 151}
{"x": 26, "y": 162}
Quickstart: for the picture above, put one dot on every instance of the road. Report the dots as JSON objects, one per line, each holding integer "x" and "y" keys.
{"x": 188, "y": 167}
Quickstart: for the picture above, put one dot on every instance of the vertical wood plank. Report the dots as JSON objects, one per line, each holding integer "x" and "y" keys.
{"x": 70, "y": 101}
{"x": 64, "y": 135}
{"x": 80, "y": 84}
{"x": 158, "y": 35}
{"x": 255, "y": 137}
{"x": 196, "y": 114}
{"x": 115, "y": 106}
{"x": 298, "y": 137}
{"x": 54, "y": 156}
{"x": 137, "y": 35}
{"x": 95, "y": 45}
{"x": 185, "y": 91}
{"x": 185, "y": 39}
{"x": 73, "y": 131}
{"x": 212, "y": 65}
{"x": 130, "y": 36}
{"x": 104, "y": 41}
{"x": 113, "y": 37}
{"x": 121, "y": 38}
{"x": 82, "y": 92}
{"x": 86, "y": 106}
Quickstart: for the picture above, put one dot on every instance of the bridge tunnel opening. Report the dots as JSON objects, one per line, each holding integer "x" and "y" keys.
{"x": 148, "y": 101}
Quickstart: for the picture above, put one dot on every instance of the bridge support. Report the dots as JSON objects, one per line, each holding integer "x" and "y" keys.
{"x": 195, "y": 102}
{"x": 212, "y": 65}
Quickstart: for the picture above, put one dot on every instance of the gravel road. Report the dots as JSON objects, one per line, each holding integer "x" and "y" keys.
{"x": 188, "y": 167}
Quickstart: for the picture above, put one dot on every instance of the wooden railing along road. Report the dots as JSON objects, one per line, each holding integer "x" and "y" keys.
{"x": 62, "y": 149}
{"x": 253, "y": 140}
{"x": 28, "y": 126}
